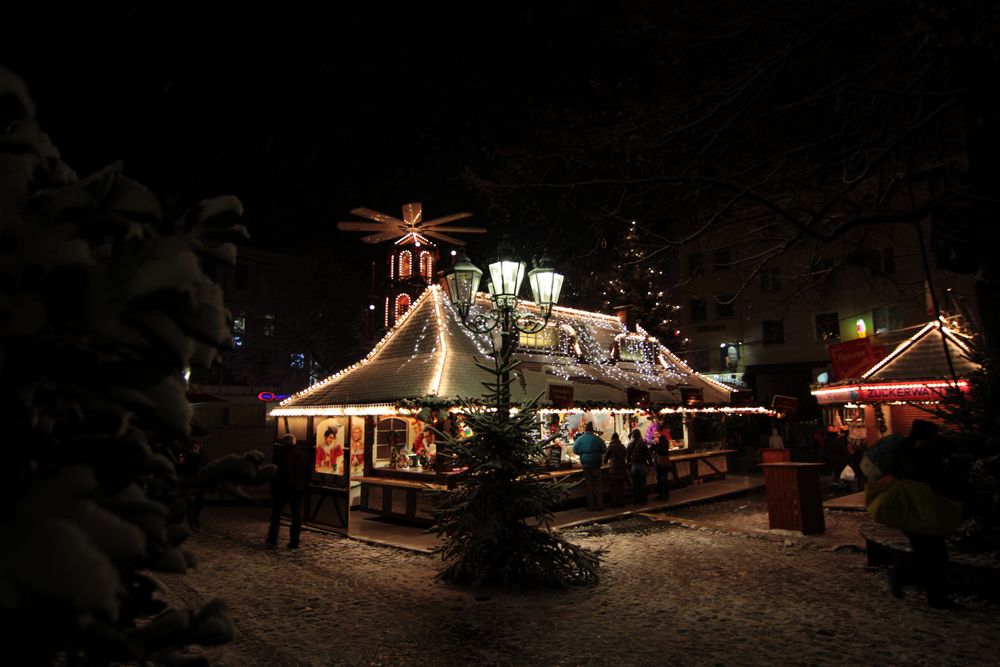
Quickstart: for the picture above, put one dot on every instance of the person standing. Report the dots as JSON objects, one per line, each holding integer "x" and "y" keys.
{"x": 920, "y": 457}
{"x": 189, "y": 466}
{"x": 617, "y": 470}
{"x": 661, "y": 450}
{"x": 591, "y": 450}
{"x": 638, "y": 459}
{"x": 288, "y": 487}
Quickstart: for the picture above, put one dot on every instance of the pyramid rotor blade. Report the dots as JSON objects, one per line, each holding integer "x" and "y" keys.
{"x": 348, "y": 226}
{"x": 447, "y": 218}
{"x": 413, "y": 213}
{"x": 378, "y": 238}
{"x": 459, "y": 230}
{"x": 443, "y": 237}
{"x": 375, "y": 215}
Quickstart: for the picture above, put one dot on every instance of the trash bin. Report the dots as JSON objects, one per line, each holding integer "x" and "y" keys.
{"x": 775, "y": 455}
{"x": 794, "y": 501}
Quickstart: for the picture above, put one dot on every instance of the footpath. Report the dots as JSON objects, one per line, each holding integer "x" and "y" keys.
{"x": 686, "y": 590}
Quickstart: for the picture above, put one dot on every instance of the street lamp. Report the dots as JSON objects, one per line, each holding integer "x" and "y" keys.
{"x": 505, "y": 277}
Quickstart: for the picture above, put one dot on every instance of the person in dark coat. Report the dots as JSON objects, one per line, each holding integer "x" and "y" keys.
{"x": 288, "y": 487}
{"x": 661, "y": 453}
{"x": 920, "y": 457}
{"x": 639, "y": 459}
{"x": 188, "y": 468}
{"x": 617, "y": 470}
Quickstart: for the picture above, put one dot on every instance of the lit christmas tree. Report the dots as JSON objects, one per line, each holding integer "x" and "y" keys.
{"x": 635, "y": 280}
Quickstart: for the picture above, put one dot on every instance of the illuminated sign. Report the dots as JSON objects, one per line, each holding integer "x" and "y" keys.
{"x": 269, "y": 396}
{"x": 888, "y": 392}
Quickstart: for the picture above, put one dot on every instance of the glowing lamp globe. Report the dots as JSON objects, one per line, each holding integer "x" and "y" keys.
{"x": 545, "y": 284}
{"x": 462, "y": 283}
{"x": 506, "y": 275}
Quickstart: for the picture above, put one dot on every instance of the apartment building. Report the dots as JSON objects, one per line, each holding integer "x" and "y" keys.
{"x": 767, "y": 325}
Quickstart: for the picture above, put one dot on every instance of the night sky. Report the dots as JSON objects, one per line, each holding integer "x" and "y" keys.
{"x": 305, "y": 115}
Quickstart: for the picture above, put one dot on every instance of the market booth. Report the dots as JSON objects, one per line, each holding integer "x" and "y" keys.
{"x": 373, "y": 424}
{"x": 905, "y": 385}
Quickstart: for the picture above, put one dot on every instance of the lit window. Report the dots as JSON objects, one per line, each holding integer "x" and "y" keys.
{"x": 237, "y": 341}
{"x": 426, "y": 264}
{"x": 402, "y": 305}
{"x": 546, "y": 338}
{"x": 240, "y": 322}
{"x": 632, "y": 349}
{"x": 269, "y": 325}
{"x": 297, "y": 360}
{"x": 405, "y": 264}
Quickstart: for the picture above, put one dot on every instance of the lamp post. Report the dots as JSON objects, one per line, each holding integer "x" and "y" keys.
{"x": 505, "y": 277}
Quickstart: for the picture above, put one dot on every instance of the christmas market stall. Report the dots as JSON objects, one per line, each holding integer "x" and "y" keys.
{"x": 909, "y": 383}
{"x": 375, "y": 424}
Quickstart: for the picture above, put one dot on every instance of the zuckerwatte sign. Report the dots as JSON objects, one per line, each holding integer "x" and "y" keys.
{"x": 905, "y": 392}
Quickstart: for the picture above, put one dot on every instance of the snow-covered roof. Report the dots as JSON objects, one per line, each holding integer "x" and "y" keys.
{"x": 431, "y": 353}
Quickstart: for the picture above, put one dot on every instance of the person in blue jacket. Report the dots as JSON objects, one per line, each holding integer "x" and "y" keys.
{"x": 591, "y": 450}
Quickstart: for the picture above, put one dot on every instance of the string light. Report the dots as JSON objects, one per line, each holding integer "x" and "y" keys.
{"x": 435, "y": 385}
{"x": 584, "y": 335}
{"x": 949, "y": 334}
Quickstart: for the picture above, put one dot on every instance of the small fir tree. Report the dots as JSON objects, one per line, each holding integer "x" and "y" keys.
{"x": 974, "y": 462}
{"x": 496, "y": 522}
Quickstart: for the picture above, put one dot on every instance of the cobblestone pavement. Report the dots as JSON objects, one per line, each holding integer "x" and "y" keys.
{"x": 669, "y": 594}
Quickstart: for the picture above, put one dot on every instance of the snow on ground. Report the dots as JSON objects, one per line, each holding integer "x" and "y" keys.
{"x": 669, "y": 594}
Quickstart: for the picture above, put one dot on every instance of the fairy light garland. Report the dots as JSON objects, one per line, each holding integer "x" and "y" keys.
{"x": 435, "y": 385}
{"x": 908, "y": 343}
{"x": 369, "y": 357}
{"x": 656, "y": 367}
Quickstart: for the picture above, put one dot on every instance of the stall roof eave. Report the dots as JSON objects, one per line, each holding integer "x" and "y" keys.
{"x": 430, "y": 353}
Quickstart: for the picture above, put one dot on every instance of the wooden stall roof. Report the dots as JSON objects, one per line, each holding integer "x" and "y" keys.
{"x": 430, "y": 353}
{"x": 922, "y": 356}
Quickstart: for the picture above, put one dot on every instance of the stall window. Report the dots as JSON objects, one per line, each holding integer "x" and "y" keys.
{"x": 390, "y": 433}
{"x": 547, "y": 338}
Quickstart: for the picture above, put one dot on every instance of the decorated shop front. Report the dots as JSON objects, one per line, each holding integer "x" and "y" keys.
{"x": 377, "y": 424}
{"x": 910, "y": 383}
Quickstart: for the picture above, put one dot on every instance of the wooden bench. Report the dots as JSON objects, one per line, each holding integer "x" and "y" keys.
{"x": 884, "y": 545}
